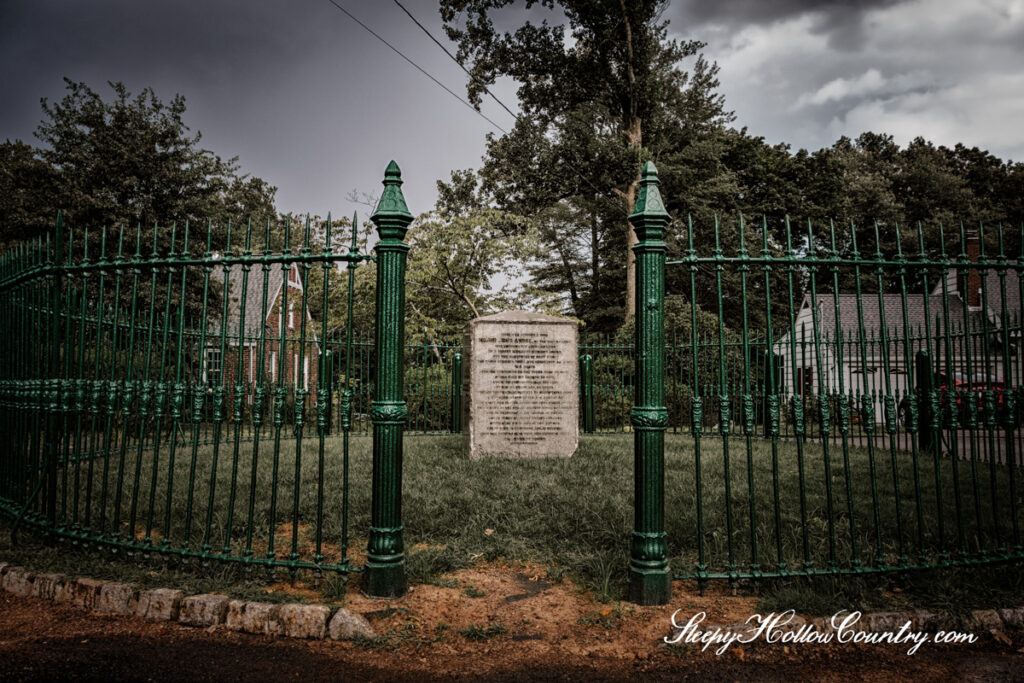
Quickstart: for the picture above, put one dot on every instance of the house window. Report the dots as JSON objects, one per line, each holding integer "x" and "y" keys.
{"x": 213, "y": 366}
{"x": 804, "y": 381}
{"x": 291, "y": 316}
{"x": 305, "y": 374}
{"x": 273, "y": 366}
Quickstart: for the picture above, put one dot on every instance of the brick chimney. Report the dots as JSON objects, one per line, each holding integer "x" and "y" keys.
{"x": 973, "y": 287}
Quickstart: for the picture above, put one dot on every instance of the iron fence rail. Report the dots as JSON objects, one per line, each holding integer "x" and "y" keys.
{"x": 844, "y": 439}
{"x": 127, "y": 427}
{"x": 836, "y": 412}
{"x": 169, "y": 392}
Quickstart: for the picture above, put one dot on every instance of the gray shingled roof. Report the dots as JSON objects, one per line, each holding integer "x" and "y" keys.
{"x": 994, "y": 292}
{"x": 893, "y": 306}
{"x": 850, "y": 326}
{"x": 254, "y": 313}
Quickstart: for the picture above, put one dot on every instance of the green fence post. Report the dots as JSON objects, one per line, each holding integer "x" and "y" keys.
{"x": 457, "y": 393}
{"x": 650, "y": 582}
{"x": 587, "y": 391}
{"x": 55, "y": 282}
{"x": 923, "y": 379}
{"x": 385, "y": 560}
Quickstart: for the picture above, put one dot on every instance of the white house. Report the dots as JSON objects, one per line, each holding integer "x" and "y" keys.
{"x": 857, "y": 345}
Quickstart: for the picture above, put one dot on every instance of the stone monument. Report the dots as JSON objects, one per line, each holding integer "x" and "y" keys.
{"x": 521, "y": 399}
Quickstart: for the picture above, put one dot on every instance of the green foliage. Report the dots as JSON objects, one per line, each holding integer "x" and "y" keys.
{"x": 129, "y": 170}
{"x": 27, "y": 187}
{"x": 609, "y": 618}
{"x": 614, "y": 366}
{"x": 132, "y": 159}
{"x": 461, "y": 267}
{"x": 474, "y": 632}
{"x": 575, "y": 516}
{"x": 428, "y": 564}
{"x": 471, "y": 591}
{"x": 335, "y": 588}
{"x": 601, "y": 92}
{"x": 428, "y": 391}
{"x": 603, "y": 89}
{"x": 336, "y": 280}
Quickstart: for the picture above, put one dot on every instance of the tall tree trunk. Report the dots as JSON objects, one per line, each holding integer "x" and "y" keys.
{"x": 630, "y": 241}
{"x": 595, "y": 263}
{"x": 573, "y": 295}
{"x": 634, "y": 139}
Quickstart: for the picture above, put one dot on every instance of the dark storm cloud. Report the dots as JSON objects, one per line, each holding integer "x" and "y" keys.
{"x": 767, "y": 11}
{"x": 306, "y": 98}
{"x": 139, "y": 43}
{"x": 840, "y": 20}
{"x": 807, "y": 72}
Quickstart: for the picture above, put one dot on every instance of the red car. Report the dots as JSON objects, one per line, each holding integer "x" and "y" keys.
{"x": 978, "y": 383}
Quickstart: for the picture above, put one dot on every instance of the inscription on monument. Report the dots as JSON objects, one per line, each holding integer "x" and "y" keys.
{"x": 522, "y": 395}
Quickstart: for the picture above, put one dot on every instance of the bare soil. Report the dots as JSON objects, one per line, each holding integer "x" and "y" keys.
{"x": 503, "y": 623}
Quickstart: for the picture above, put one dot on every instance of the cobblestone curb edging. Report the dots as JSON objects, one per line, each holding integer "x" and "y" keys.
{"x": 317, "y": 622}
{"x": 209, "y": 611}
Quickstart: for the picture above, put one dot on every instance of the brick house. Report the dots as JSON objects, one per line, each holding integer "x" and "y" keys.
{"x": 295, "y": 363}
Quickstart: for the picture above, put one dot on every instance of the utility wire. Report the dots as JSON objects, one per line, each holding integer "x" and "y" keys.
{"x": 454, "y": 58}
{"x": 494, "y": 97}
{"x": 417, "y": 66}
{"x": 598, "y": 192}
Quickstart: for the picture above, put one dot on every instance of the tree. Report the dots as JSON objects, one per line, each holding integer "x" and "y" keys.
{"x": 461, "y": 265}
{"x": 27, "y": 186}
{"x": 612, "y": 73}
{"x": 134, "y": 160}
{"x": 129, "y": 165}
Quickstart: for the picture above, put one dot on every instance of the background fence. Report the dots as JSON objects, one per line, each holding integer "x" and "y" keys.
{"x": 870, "y": 423}
{"x": 157, "y": 389}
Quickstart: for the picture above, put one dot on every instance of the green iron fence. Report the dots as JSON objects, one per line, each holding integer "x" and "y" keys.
{"x": 167, "y": 391}
{"x": 871, "y": 425}
{"x": 840, "y": 409}
{"x": 131, "y": 425}
{"x": 606, "y": 388}
{"x": 810, "y": 409}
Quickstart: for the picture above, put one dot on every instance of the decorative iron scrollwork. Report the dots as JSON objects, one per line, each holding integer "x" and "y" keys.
{"x": 383, "y": 413}
{"x": 644, "y": 417}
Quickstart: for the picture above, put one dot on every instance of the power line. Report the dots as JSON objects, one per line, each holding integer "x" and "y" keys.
{"x": 417, "y": 66}
{"x": 454, "y": 58}
{"x": 598, "y": 192}
{"x": 494, "y": 97}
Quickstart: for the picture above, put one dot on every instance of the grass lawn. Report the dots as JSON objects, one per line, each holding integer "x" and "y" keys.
{"x": 573, "y": 515}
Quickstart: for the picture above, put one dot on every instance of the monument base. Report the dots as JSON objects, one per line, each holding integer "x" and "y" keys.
{"x": 384, "y": 580}
{"x": 649, "y": 586}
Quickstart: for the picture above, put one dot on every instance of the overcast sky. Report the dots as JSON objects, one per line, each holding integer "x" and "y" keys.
{"x": 317, "y": 106}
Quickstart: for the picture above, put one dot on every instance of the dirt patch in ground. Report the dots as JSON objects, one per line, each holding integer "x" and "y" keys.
{"x": 498, "y": 622}
{"x": 519, "y": 610}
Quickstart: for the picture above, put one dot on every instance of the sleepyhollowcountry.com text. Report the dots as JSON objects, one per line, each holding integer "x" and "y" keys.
{"x": 774, "y": 628}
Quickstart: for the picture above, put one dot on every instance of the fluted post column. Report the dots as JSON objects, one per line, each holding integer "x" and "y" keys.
{"x": 650, "y": 581}
{"x": 385, "y": 561}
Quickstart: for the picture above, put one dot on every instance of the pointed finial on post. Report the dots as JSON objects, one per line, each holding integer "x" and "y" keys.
{"x": 392, "y": 216}
{"x": 649, "y": 216}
